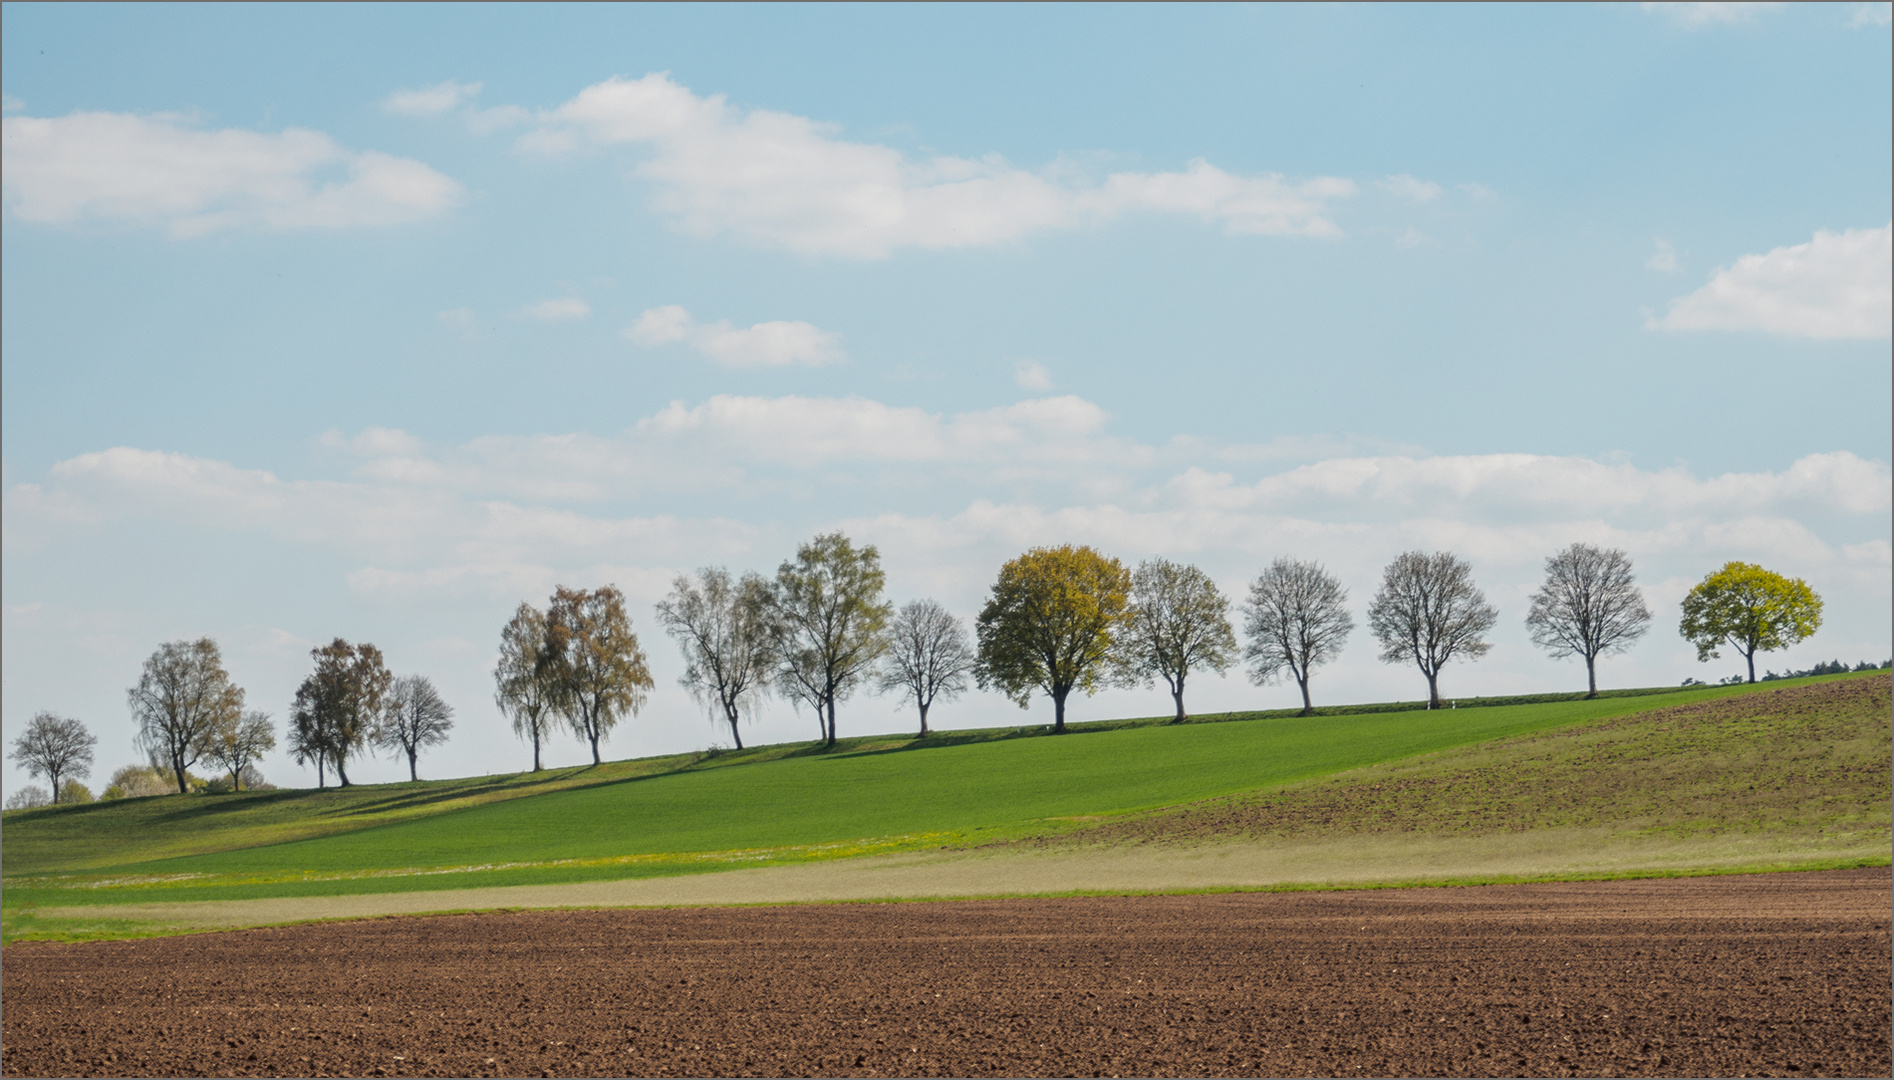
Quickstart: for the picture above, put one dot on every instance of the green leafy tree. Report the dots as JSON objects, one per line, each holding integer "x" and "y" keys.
{"x": 1178, "y": 621}
{"x": 338, "y": 706}
{"x": 56, "y": 747}
{"x": 1050, "y": 625}
{"x": 829, "y": 623}
{"x": 1749, "y": 609}
{"x": 524, "y": 684}
{"x": 184, "y": 702}
{"x": 597, "y": 666}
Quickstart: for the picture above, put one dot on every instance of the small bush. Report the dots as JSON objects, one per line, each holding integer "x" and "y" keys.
{"x": 72, "y": 791}
{"x": 135, "y": 781}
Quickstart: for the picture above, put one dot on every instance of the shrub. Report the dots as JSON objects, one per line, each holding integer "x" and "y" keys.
{"x": 135, "y": 781}
{"x": 72, "y": 791}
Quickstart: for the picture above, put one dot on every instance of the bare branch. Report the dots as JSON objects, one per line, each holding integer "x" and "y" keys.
{"x": 930, "y": 656}
{"x": 1297, "y": 620}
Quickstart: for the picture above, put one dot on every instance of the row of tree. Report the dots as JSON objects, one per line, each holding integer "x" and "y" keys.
{"x": 1057, "y": 619}
{"x": 352, "y": 701}
{"x": 188, "y": 710}
{"x": 1067, "y": 618}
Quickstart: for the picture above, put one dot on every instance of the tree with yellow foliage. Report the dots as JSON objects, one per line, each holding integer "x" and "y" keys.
{"x": 1750, "y": 609}
{"x": 1050, "y": 624}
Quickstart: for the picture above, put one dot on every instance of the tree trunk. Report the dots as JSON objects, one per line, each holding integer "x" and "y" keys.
{"x": 412, "y": 774}
{"x": 1302, "y": 680}
{"x": 731, "y": 715}
{"x": 535, "y": 747}
{"x": 1177, "y": 695}
{"x": 177, "y": 768}
{"x": 1433, "y": 690}
{"x": 924, "y": 706}
{"x": 321, "y": 780}
{"x": 593, "y": 735}
{"x": 831, "y": 725}
{"x": 1751, "y": 657}
{"x": 1058, "y": 712}
{"x": 341, "y": 774}
{"x": 236, "y": 782}
{"x": 1591, "y": 676}
{"x": 53, "y": 777}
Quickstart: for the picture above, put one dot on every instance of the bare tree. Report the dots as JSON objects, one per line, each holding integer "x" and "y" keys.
{"x": 338, "y": 705}
{"x": 30, "y": 797}
{"x": 415, "y": 717}
{"x": 524, "y": 686}
{"x": 828, "y": 622}
{"x": 1296, "y": 620}
{"x": 1589, "y": 606}
{"x": 597, "y": 664}
{"x": 1428, "y": 612}
{"x": 929, "y": 658}
{"x": 53, "y": 747}
{"x": 1178, "y": 620}
{"x": 184, "y": 699}
{"x": 240, "y": 744}
{"x": 723, "y": 628}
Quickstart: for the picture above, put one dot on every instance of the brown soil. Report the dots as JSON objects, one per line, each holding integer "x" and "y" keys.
{"x": 1784, "y": 974}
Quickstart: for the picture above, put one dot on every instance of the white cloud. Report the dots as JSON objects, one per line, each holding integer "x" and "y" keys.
{"x": 786, "y": 181}
{"x": 430, "y": 100}
{"x": 1411, "y": 188}
{"x": 559, "y": 310}
{"x": 766, "y": 344}
{"x": 1838, "y": 285}
{"x": 1032, "y": 375}
{"x": 1663, "y": 259}
{"x": 1699, "y": 15}
{"x": 1881, "y": 14}
{"x": 159, "y": 170}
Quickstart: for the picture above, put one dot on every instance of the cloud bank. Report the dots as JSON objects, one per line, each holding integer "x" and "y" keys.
{"x": 159, "y": 170}
{"x": 766, "y": 344}
{"x": 785, "y": 181}
{"x": 1838, "y": 285}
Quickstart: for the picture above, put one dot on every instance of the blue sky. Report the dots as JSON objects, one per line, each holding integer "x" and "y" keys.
{"x": 375, "y": 321}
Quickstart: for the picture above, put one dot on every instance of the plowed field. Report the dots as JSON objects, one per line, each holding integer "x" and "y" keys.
{"x": 1783, "y": 974}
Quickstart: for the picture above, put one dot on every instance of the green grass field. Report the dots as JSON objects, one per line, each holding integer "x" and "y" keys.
{"x": 1443, "y": 772}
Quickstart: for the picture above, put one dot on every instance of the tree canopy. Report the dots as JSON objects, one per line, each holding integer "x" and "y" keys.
{"x": 1750, "y": 609}
{"x": 1427, "y": 612}
{"x": 1296, "y": 620}
{"x": 524, "y": 684}
{"x": 1588, "y": 606}
{"x": 1050, "y": 624}
{"x": 414, "y": 718}
{"x": 1178, "y": 621}
{"x": 338, "y": 705}
{"x": 828, "y": 622}
{"x": 239, "y": 745}
{"x": 723, "y": 628}
{"x": 183, "y": 701}
{"x": 55, "y": 747}
{"x": 597, "y": 666}
{"x": 929, "y": 656}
